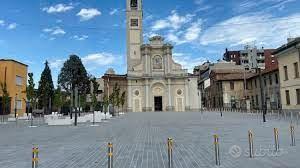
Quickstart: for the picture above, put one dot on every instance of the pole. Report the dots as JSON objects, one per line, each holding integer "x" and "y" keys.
{"x": 110, "y": 155}
{"x": 276, "y": 138}
{"x": 262, "y": 96}
{"x": 16, "y": 106}
{"x": 217, "y": 149}
{"x": 292, "y": 130}
{"x": 251, "y": 148}
{"x": 76, "y": 104}
{"x": 170, "y": 152}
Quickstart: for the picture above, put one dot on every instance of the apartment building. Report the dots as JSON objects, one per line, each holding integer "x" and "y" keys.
{"x": 288, "y": 57}
{"x": 14, "y": 74}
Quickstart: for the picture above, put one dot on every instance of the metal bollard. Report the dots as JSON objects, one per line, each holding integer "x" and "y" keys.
{"x": 276, "y": 138}
{"x": 217, "y": 149}
{"x": 35, "y": 157}
{"x": 251, "y": 146}
{"x": 292, "y": 129}
{"x": 110, "y": 155}
{"x": 170, "y": 152}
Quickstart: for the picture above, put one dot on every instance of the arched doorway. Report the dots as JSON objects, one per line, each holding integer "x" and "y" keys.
{"x": 158, "y": 97}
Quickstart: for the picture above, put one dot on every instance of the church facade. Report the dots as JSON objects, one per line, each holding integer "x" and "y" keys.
{"x": 155, "y": 81}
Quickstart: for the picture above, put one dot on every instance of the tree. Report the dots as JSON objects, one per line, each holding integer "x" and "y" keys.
{"x": 46, "y": 89}
{"x": 58, "y": 99}
{"x": 31, "y": 93}
{"x": 122, "y": 100}
{"x": 114, "y": 97}
{"x": 74, "y": 75}
{"x": 94, "y": 93}
{"x": 105, "y": 104}
{"x": 5, "y": 98}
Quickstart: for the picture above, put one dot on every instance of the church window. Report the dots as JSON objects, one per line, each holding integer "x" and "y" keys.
{"x": 179, "y": 92}
{"x": 134, "y": 23}
{"x": 157, "y": 62}
{"x": 136, "y": 93}
{"x": 133, "y": 4}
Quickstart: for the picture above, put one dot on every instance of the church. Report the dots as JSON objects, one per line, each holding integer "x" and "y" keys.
{"x": 155, "y": 82}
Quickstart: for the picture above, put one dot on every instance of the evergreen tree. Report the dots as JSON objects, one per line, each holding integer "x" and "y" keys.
{"x": 30, "y": 92}
{"x": 58, "y": 99}
{"x": 73, "y": 74}
{"x": 46, "y": 89}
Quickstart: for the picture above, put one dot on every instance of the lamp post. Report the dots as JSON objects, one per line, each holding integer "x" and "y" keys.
{"x": 263, "y": 103}
{"x": 16, "y": 105}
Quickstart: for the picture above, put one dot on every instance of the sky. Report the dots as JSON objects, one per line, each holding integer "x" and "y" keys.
{"x": 34, "y": 31}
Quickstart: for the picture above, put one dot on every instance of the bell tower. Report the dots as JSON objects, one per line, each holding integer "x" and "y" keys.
{"x": 134, "y": 17}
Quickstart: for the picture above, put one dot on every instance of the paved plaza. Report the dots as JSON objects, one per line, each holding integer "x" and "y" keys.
{"x": 140, "y": 142}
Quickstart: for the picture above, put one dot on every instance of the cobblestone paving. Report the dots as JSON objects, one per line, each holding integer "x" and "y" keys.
{"x": 140, "y": 142}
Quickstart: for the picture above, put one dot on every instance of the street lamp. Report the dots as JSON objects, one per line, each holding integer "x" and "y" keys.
{"x": 16, "y": 105}
{"x": 263, "y": 103}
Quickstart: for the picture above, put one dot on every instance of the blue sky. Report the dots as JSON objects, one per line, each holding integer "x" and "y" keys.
{"x": 38, "y": 30}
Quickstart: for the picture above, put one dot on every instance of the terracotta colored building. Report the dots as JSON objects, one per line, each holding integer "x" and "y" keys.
{"x": 14, "y": 73}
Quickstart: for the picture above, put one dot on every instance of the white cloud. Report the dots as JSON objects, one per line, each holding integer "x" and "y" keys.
{"x": 57, "y": 64}
{"x": 187, "y": 61}
{"x": 12, "y": 26}
{"x": 87, "y": 14}
{"x": 174, "y": 21}
{"x": 99, "y": 59}
{"x": 59, "y": 8}
{"x": 2, "y": 22}
{"x": 193, "y": 32}
{"x": 54, "y": 31}
{"x": 113, "y": 11}
{"x": 80, "y": 37}
{"x": 188, "y": 35}
{"x": 91, "y": 61}
{"x": 259, "y": 28}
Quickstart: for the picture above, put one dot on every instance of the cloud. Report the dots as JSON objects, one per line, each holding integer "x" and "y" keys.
{"x": 57, "y": 64}
{"x": 187, "y": 61}
{"x": 99, "y": 59}
{"x": 54, "y": 31}
{"x": 2, "y": 22}
{"x": 59, "y": 8}
{"x": 87, "y": 14}
{"x": 80, "y": 37}
{"x": 259, "y": 28}
{"x": 12, "y": 26}
{"x": 248, "y": 5}
{"x": 113, "y": 11}
{"x": 188, "y": 35}
{"x": 174, "y": 21}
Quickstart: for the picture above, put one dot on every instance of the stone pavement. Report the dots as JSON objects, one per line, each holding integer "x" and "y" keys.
{"x": 140, "y": 142}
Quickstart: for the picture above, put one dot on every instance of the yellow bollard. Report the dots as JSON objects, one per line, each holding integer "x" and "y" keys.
{"x": 276, "y": 139}
{"x": 292, "y": 130}
{"x": 110, "y": 155}
{"x": 35, "y": 157}
{"x": 251, "y": 148}
{"x": 217, "y": 149}
{"x": 170, "y": 152}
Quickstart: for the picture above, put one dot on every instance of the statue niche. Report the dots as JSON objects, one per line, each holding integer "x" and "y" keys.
{"x": 133, "y": 4}
{"x": 157, "y": 62}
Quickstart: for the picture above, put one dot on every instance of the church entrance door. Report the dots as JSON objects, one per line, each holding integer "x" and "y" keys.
{"x": 158, "y": 103}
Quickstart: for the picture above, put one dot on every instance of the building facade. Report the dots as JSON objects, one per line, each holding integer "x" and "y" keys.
{"x": 288, "y": 57}
{"x": 252, "y": 57}
{"x": 110, "y": 79}
{"x": 155, "y": 82}
{"x": 14, "y": 74}
{"x": 271, "y": 89}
